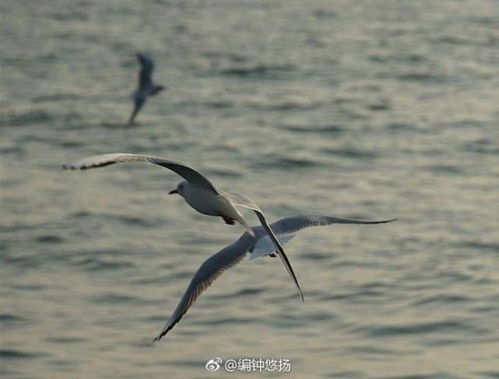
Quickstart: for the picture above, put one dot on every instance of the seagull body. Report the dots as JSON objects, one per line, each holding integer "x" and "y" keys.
{"x": 200, "y": 194}
{"x": 146, "y": 87}
{"x": 259, "y": 244}
{"x": 210, "y": 203}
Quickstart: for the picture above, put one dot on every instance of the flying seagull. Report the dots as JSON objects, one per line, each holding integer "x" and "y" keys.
{"x": 199, "y": 193}
{"x": 146, "y": 86}
{"x": 257, "y": 245}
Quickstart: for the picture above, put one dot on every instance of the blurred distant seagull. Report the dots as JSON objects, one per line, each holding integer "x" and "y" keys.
{"x": 199, "y": 193}
{"x": 258, "y": 245}
{"x": 146, "y": 87}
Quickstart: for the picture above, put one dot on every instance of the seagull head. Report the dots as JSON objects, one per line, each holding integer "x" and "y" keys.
{"x": 179, "y": 190}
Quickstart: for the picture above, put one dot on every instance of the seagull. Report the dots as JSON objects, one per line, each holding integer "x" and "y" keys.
{"x": 257, "y": 245}
{"x": 200, "y": 194}
{"x": 146, "y": 86}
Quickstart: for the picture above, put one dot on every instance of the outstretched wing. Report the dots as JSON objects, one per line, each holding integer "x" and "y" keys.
{"x": 146, "y": 69}
{"x": 189, "y": 174}
{"x": 137, "y": 106}
{"x": 209, "y": 271}
{"x": 286, "y": 228}
{"x": 291, "y": 225}
{"x": 244, "y": 201}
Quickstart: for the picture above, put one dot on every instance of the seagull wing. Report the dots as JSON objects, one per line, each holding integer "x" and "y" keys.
{"x": 209, "y": 271}
{"x": 244, "y": 201}
{"x": 146, "y": 69}
{"x": 291, "y": 225}
{"x": 286, "y": 228}
{"x": 137, "y": 106}
{"x": 189, "y": 174}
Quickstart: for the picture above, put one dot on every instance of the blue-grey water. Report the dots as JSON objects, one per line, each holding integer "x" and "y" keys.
{"x": 367, "y": 109}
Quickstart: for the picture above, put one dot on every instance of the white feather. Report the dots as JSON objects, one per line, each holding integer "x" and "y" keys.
{"x": 264, "y": 246}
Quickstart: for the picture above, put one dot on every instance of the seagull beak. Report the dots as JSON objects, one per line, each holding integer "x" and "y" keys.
{"x": 172, "y": 192}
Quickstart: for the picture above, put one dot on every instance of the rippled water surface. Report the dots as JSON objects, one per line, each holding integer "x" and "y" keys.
{"x": 367, "y": 109}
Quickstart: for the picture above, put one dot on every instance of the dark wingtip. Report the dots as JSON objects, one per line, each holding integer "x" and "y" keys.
{"x": 88, "y": 166}
{"x": 158, "y": 337}
{"x": 75, "y": 168}
{"x": 383, "y": 221}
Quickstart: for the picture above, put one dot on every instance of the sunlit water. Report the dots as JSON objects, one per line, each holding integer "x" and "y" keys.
{"x": 367, "y": 109}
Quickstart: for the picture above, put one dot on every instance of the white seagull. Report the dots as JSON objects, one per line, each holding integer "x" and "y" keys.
{"x": 199, "y": 193}
{"x": 257, "y": 245}
{"x": 146, "y": 87}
